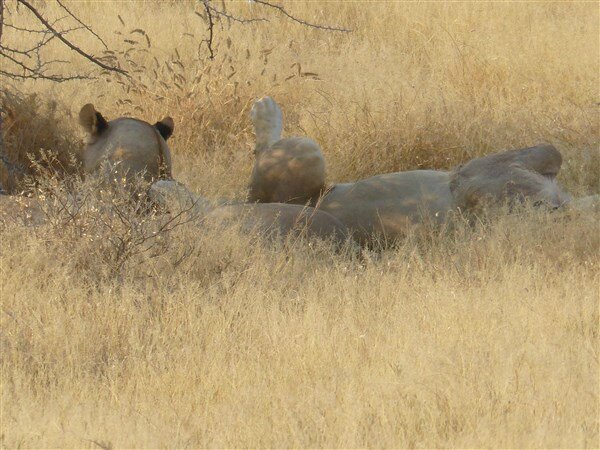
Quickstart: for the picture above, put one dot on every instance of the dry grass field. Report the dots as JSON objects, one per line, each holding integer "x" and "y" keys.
{"x": 480, "y": 336}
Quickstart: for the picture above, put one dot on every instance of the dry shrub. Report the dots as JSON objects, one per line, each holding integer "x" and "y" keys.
{"x": 36, "y": 141}
{"x": 104, "y": 227}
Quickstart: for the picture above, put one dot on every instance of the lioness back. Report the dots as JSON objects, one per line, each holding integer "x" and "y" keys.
{"x": 389, "y": 205}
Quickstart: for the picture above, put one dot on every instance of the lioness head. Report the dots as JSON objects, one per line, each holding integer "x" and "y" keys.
{"x": 512, "y": 177}
{"x": 126, "y": 146}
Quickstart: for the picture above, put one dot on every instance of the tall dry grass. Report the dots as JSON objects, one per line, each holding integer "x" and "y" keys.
{"x": 482, "y": 336}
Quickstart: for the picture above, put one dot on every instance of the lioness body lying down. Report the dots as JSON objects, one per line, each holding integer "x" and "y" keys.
{"x": 389, "y": 204}
{"x": 266, "y": 218}
{"x": 292, "y": 170}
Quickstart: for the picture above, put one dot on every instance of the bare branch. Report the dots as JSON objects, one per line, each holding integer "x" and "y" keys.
{"x": 67, "y": 42}
{"x": 28, "y": 63}
{"x": 19, "y": 63}
{"x": 212, "y": 12}
{"x": 41, "y": 76}
{"x": 39, "y": 45}
{"x": 211, "y": 26}
{"x": 28, "y": 30}
{"x": 35, "y": 66}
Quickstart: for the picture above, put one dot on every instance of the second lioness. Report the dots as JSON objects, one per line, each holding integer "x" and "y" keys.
{"x": 389, "y": 204}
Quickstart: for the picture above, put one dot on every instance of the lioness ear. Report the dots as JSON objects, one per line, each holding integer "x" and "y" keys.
{"x": 165, "y": 127}
{"x": 91, "y": 120}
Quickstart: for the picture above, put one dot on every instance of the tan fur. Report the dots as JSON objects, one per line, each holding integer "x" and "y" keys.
{"x": 281, "y": 220}
{"x": 174, "y": 197}
{"x": 168, "y": 122}
{"x": 87, "y": 118}
{"x": 389, "y": 205}
{"x": 126, "y": 148}
{"x": 268, "y": 122}
{"x": 288, "y": 170}
{"x": 292, "y": 170}
{"x": 509, "y": 177}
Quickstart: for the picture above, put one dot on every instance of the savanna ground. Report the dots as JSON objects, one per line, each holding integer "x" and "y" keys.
{"x": 484, "y": 336}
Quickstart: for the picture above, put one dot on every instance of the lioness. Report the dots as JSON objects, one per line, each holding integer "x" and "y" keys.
{"x": 389, "y": 204}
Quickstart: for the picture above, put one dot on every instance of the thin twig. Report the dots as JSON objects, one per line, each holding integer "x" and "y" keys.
{"x": 39, "y": 76}
{"x": 282, "y": 10}
{"x": 40, "y": 44}
{"x": 81, "y": 23}
{"x": 28, "y": 30}
{"x": 232, "y": 17}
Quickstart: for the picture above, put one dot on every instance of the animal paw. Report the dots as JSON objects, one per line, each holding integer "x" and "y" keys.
{"x": 268, "y": 121}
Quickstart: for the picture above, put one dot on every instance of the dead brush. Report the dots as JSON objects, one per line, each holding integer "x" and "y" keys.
{"x": 105, "y": 227}
{"x": 35, "y": 140}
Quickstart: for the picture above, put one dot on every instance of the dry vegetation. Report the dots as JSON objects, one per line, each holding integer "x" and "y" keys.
{"x": 485, "y": 336}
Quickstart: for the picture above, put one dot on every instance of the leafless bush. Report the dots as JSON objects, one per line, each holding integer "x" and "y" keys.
{"x": 106, "y": 225}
